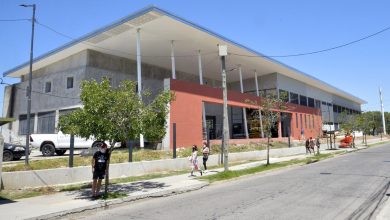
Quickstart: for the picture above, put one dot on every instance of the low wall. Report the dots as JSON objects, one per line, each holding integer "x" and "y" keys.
{"x": 60, "y": 176}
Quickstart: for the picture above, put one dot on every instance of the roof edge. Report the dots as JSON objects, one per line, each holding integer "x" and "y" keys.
{"x": 194, "y": 25}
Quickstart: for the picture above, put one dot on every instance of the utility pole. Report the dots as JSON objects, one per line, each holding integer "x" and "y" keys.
{"x": 225, "y": 134}
{"x": 383, "y": 112}
{"x": 29, "y": 85}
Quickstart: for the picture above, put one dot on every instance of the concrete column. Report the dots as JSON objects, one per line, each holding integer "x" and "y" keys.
{"x": 243, "y": 109}
{"x": 35, "y": 123}
{"x": 139, "y": 76}
{"x": 166, "y": 142}
{"x": 260, "y": 116}
{"x": 173, "y": 60}
{"x": 280, "y": 126}
{"x": 204, "y": 125}
{"x": 200, "y": 68}
{"x": 57, "y": 119}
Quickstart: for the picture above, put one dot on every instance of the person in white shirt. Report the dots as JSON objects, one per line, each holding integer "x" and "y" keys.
{"x": 194, "y": 161}
{"x": 206, "y": 152}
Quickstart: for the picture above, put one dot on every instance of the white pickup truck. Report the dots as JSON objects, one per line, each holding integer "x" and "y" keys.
{"x": 59, "y": 143}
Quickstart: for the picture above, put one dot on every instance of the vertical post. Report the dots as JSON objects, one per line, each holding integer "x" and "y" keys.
{"x": 29, "y": 88}
{"x": 208, "y": 137}
{"x": 174, "y": 140}
{"x": 289, "y": 136}
{"x": 71, "y": 150}
{"x": 225, "y": 136}
{"x": 383, "y": 112}
{"x": 130, "y": 146}
{"x": 173, "y": 60}
{"x": 243, "y": 109}
{"x": 200, "y": 68}
{"x": 260, "y": 115}
{"x": 139, "y": 77}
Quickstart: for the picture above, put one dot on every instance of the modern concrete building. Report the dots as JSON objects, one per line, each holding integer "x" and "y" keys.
{"x": 160, "y": 51}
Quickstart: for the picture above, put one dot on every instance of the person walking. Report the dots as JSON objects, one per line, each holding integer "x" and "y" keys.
{"x": 194, "y": 161}
{"x": 311, "y": 144}
{"x": 318, "y": 144}
{"x": 307, "y": 145}
{"x": 99, "y": 168}
{"x": 206, "y": 152}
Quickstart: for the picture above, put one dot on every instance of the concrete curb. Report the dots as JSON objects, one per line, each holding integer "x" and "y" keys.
{"x": 112, "y": 203}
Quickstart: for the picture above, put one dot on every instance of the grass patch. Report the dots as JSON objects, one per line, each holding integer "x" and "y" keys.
{"x": 25, "y": 193}
{"x": 113, "y": 195}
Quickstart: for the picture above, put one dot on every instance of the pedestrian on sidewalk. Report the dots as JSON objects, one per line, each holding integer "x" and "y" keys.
{"x": 311, "y": 144}
{"x": 318, "y": 144}
{"x": 194, "y": 161}
{"x": 307, "y": 145}
{"x": 99, "y": 168}
{"x": 206, "y": 152}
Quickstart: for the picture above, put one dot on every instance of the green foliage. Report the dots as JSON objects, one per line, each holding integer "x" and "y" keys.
{"x": 116, "y": 114}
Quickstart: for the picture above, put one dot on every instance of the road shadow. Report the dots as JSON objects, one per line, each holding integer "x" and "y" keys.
{"x": 128, "y": 188}
{"x": 4, "y": 201}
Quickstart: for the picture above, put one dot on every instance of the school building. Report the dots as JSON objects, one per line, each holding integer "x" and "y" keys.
{"x": 162, "y": 51}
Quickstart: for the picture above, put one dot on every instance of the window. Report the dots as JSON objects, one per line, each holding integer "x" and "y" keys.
{"x": 296, "y": 119}
{"x": 318, "y": 104}
{"x": 283, "y": 95}
{"x": 301, "y": 121}
{"x": 339, "y": 109}
{"x": 303, "y": 100}
{"x": 47, "y": 87}
{"x": 313, "y": 120}
{"x": 294, "y": 98}
{"x": 46, "y": 122}
{"x": 310, "y": 102}
{"x": 306, "y": 121}
{"x": 335, "y": 107}
{"x": 69, "y": 82}
{"x": 23, "y": 124}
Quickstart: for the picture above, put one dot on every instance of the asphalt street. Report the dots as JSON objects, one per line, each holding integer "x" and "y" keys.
{"x": 351, "y": 186}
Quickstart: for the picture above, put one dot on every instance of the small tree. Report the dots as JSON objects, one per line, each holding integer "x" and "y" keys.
{"x": 349, "y": 124}
{"x": 270, "y": 108}
{"x": 116, "y": 114}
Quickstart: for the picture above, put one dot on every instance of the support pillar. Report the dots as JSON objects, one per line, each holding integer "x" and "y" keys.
{"x": 139, "y": 77}
{"x": 280, "y": 127}
{"x": 204, "y": 125}
{"x": 260, "y": 116}
{"x": 173, "y": 60}
{"x": 243, "y": 109}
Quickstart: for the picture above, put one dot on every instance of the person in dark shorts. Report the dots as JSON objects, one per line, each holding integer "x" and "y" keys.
{"x": 206, "y": 152}
{"x": 99, "y": 168}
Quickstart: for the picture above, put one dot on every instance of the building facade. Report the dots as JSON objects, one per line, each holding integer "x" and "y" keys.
{"x": 162, "y": 51}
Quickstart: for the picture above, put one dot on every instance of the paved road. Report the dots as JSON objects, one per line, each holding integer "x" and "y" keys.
{"x": 351, "y": 186}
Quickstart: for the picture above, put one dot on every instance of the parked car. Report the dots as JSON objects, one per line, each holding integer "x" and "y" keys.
{"x": 50, "y": 144}
{"x": 13, "y": 151}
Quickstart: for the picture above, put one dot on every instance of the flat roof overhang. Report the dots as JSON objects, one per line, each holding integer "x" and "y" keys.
{"x": 157, "y": 29}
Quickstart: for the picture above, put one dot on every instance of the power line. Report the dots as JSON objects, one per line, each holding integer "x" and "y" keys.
{"x": 19, "y": 19}
{"x": 318, "y": 51}
{"x": 125, "y": 53}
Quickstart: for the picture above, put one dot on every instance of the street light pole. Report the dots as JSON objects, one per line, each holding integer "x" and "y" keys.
{"x": 29, "y": 85}
{"x": 225, "y": 134}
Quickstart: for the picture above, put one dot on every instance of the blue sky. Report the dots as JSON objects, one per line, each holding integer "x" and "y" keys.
{"x": 270, "y": 27}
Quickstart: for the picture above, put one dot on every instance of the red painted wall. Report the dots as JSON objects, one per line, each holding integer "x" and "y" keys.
{"x": 186, "y": 111}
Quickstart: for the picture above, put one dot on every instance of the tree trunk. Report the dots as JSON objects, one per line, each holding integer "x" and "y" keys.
{"x": 268, "y": 150}
{"x": 353, "y": 140}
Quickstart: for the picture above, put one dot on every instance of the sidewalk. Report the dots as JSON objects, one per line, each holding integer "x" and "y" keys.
{"x": 64, "y": 203}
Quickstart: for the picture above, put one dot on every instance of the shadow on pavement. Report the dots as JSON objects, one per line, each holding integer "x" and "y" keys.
{"x": 4, "y": 201}
{"x": 129, "y": 188}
